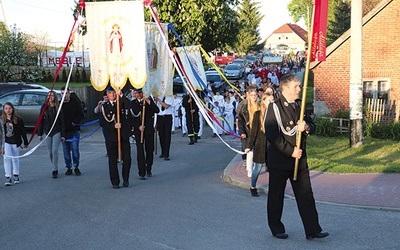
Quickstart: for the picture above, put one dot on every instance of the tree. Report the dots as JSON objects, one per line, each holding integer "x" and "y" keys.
{"x": 17, "y": 62}
{"x": 301, "y": 9}
{"x": 340, "y": 22}
{"x": 248, "y": 37}
{"x": 39, "y": 42}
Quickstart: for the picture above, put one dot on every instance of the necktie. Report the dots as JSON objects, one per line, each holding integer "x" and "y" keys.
{"x": 162, "y": 107}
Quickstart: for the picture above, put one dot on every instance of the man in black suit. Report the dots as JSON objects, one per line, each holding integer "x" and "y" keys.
{"x": 192, "y": 117}
{"x": 281, "y": 126}
{"x": 143, "y": 112}
{"x": 108, "y": 120}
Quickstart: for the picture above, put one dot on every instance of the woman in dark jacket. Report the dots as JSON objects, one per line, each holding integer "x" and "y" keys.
{"x": 257, "y": 140}
{"x": 55, "y": 134}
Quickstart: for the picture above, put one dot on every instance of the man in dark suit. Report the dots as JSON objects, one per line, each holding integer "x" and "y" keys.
{"x": 110, "y": 124}
{"x": 143, "y": 109}
{"x": 281, "y": 126}
{"x": 192, "y": 117}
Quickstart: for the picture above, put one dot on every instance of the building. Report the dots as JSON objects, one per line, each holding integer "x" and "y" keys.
{"x": 381, "y": 67}
{"x": 289, "y": 37}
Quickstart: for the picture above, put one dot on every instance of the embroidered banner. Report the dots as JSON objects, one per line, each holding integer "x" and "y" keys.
{"x": 159, "y": 64}
{"x": 192, "y": 63}
{"x": 116, "y": 41}
{"x": 318, "y": 46}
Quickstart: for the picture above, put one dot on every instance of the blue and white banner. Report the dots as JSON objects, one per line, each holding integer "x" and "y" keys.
{"x": 192, "y": 64}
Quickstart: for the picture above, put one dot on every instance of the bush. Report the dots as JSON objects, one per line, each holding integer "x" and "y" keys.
{"x": 396, "y": 131}
{"x": 325, "y": 127}
{"x": 77, "y": 76}
{"x": 345, "y": 114}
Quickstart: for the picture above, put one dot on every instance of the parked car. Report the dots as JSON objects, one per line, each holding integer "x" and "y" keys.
{"x": 234, "y": 71}
{"x": 241, "y": 62}
{"x": 251, "y": 59}
{"x": 8, "y": 87}
{"x": 27, "y": 103}
{"x": 219, "y": 83}
{"x": 178, "y": 87}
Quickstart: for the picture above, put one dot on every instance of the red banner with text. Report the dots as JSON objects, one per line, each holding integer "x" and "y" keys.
{"x": 318, "y": 45}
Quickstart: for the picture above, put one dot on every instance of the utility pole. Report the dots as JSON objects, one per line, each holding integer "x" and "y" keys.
{"x": 356, "y": 83}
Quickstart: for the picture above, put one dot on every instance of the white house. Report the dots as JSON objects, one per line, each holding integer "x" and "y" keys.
{"x": 289, "y": 37}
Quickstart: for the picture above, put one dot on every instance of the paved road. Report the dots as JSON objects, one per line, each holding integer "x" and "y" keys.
{"x": 185, "y": 205}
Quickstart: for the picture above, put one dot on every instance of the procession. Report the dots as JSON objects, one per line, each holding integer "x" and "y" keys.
{"x": 146, "y": 170}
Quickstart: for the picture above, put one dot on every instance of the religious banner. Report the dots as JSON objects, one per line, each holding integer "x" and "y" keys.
{"x": 159, "y": 63}
{"x": 116, "y": 38}
{"x": 192, "y": 63}
{"x": 318, "y": 45}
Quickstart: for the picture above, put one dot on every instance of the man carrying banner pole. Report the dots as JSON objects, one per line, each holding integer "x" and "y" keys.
{"x": 117, "y": 132}
{"x": 287, "y": 158}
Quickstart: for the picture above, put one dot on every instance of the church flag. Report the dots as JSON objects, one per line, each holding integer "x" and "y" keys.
{"x": 318, "y": 45}
{"x": 159, "y": 63}
{"x": 116, "y": 38}
{"x": 192, "y": 63}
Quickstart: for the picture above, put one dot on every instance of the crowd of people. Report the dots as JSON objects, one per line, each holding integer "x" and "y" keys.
{"x": 264, "y": 114}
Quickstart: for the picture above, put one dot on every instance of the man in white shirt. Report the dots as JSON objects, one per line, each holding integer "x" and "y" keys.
{"x": 164, "y": 123}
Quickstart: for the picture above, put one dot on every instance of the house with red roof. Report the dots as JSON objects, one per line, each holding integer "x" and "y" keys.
{"x": 380, "y": 62}
{"x": 289, "y": 37}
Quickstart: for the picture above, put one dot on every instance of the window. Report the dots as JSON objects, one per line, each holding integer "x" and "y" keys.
{"x": 376, "y": 89}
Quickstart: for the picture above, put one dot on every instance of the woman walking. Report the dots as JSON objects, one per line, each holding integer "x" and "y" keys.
{"x": 55, "y": 134}
{"x": 14, "y": 132}
{"x": 258, "y": 140}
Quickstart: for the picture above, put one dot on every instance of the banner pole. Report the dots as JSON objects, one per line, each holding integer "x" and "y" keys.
{"x": 304, "y": 93}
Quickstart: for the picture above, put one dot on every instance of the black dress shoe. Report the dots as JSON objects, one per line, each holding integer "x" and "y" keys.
{"x": 116, "y": 186}
{"x": 142, "y": 178}
{"x": 125, "y": 184}
{"x": 319, "y": 235}
{"x": 166, "y": 158}
{"x": 161, "y": 156}
{"x": 281, "y": 235}
{"x": 149, "y": 175}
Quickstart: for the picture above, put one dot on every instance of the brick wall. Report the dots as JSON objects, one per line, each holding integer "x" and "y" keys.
{"x": 381, "y": 59}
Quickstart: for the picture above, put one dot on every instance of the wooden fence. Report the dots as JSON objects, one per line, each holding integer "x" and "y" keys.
{"x": 382, "y": 111}
{"x": 342, "y": 124}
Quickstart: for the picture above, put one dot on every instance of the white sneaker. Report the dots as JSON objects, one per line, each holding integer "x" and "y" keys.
{"x": 16, "y": 179}
{"x": 8, "y": 181}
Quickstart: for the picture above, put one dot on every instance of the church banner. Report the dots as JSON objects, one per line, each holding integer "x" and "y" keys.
{"x": 318, "y": 45}
{"x": 159, "y": 63}
{"x": 116, "y": 39}
{"x": 192, "y": 63}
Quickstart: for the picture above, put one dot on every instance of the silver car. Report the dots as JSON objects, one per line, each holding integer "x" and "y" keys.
{"x": 27, "y": 103}
{"x": 234, "y": 71}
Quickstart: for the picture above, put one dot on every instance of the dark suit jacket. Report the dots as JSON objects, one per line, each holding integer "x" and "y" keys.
{"x": 281, "y": 145}
{"x": 150, "y": 110}
{"x": 257, "y": 140}
{"x": 108, "y": 112}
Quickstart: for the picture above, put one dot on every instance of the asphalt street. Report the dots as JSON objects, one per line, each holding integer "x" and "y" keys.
{"x": 185, "y": 205}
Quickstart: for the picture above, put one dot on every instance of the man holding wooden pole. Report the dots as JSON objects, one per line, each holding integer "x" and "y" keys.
{"x": 117, "y": 133}
{"x": 144, "y": 110}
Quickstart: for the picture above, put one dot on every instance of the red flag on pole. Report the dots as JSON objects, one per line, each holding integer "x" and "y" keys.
{"x": 318, "y": 46}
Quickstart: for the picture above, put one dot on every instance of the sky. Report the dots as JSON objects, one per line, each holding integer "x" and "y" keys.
{"x": 54, "y": 17}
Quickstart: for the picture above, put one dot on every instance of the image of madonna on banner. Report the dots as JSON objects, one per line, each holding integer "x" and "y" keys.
{"x": 160, "y": 68}
{"x": 116, "y": 38}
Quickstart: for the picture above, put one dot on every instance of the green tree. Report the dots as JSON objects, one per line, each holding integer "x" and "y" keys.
{"x": 17, "y": 61}
{"x": 301, "y": 10}
{"x": 341, "y": 21}
{"x": 248, "y": 37}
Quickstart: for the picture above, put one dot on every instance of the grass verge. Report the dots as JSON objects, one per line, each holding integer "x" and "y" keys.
{"x": 333, "y": 154}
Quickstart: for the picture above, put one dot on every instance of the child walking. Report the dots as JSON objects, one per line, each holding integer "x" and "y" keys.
{"x": 14, "y": 133}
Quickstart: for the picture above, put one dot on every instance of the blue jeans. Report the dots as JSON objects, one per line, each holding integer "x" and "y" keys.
{"x": 71, "y": 147}
{"x": 255, "y": 173}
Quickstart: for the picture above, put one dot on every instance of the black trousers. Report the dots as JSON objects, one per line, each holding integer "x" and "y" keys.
{"x": 304, "y": 199}
{"x": 112, "y": 151}
{"x": 145, "y": 153}
{"x": 164, "y": 127}
{"x": 192, "y": 123}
